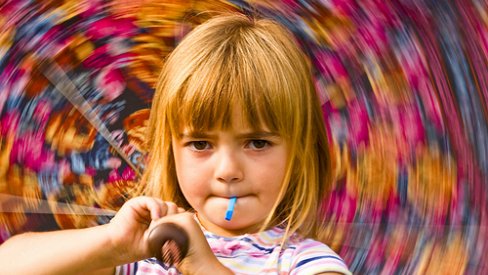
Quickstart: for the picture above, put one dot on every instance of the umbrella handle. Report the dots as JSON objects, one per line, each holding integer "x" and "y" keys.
{"x": 168, "y": 242}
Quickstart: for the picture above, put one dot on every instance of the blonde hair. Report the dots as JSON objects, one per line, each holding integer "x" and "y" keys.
{"x": 234, "y": 61}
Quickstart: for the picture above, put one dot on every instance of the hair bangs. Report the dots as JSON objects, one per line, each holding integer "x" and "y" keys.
{"x": 218, "y": 86}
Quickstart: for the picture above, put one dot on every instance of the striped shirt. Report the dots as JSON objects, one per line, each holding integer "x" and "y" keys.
{"x": 258, "y": 253}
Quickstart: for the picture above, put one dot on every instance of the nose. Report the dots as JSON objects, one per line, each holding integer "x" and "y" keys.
{"x": 228, "y": 168}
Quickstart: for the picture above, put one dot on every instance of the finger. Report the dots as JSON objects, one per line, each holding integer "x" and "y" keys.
{"x": 181, "y": 210}
{"x": 172, "y": 208}
{"x": 157, "y": 208}
{"x": 185, "y": 220}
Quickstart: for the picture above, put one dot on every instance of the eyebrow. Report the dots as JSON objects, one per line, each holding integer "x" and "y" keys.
{"x": 248, "y": 135}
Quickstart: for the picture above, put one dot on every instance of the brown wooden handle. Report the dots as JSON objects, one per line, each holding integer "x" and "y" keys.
{"x": 168, "y": 242}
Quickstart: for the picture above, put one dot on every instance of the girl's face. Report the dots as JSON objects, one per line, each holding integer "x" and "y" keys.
{"x": 215, "y": 165}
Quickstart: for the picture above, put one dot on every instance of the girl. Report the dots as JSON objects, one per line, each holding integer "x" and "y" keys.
{"x": 235, "y": 123}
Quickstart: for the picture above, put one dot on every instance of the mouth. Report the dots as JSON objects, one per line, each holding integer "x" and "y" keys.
{"x": 225, "y": 198}
{"x": 228, "y": 197}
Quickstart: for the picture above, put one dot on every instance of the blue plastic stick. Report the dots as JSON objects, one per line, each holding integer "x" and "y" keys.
{"x": 230, "y": 209}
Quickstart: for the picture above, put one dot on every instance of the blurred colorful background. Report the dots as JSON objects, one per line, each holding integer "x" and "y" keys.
{"x": 404, "y": 90}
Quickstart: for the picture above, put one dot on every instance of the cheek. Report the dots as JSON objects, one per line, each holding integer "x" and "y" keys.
{"x": 274, "y": 175}
{"x": 187, "y": 169}
{"x": 194, "y": 191}
{"x": 269, "y": 179}
{"x": 191, "y": 178}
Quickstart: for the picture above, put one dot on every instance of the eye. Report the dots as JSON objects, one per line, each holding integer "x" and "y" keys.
{"x": 258, "y": 144}
{"x": 199, "y": 145}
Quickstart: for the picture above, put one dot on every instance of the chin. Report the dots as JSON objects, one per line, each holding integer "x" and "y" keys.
{"x": 239, "y": 227}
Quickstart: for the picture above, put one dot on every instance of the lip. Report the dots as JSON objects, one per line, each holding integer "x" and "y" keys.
{"x": 230, "y": 197}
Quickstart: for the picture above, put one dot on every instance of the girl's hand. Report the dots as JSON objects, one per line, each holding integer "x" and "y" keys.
{"x": 130, "y": 227}
{"x": 200, "y": 258}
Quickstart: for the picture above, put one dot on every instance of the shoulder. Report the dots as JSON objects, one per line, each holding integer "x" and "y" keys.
{"x": 313, "y": 257}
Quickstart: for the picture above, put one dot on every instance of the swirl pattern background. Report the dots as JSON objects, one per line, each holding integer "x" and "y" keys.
{"x": 404, "y": 90}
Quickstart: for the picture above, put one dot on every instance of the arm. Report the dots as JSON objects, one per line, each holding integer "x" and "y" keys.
{"x": 59, "y": 252}
{"x": 82, "y": 251}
